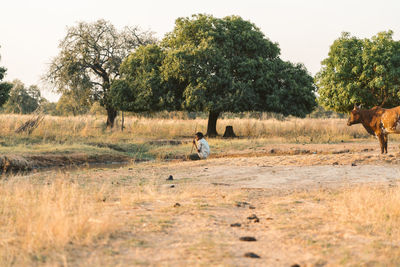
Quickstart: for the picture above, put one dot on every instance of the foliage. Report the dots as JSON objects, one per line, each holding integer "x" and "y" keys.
{"x": 97, "y": 109}
{"x": 360, "y": 71}
{"x": 74, "y": 103}
{"x": 141, "y": 88}
{"x": 227, "y": 64}
{"x": 23, "y": 100}
{"x": 4, "y": 87}
{"x": 49, "y": 108}
{"x": 90, "y": 57}
{"x": 294, "y": 91}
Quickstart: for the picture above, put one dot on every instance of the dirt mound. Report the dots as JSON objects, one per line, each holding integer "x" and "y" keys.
{"x": 14, "y": 163}
{"x": 165, "y": 142}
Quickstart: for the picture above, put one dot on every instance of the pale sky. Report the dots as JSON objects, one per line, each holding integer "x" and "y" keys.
{"x": 30, "y": 30}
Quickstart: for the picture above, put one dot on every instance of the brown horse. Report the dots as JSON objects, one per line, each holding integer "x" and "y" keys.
{"x": 377, "y": 121}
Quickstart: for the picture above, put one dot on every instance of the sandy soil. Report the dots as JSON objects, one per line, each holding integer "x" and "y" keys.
{"x": 297, "y": 167}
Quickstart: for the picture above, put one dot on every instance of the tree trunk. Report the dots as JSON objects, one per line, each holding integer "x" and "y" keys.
{"x": 122, "y": 121}
{"x": 229, "y": 133}
{"x": 212, "y": 124}
{"x": 111, "y": 115}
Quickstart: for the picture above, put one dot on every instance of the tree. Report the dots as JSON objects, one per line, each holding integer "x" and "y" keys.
{"x": 227, "y": 64}
{"x": 49, "y": 108}
{"x": 4, "y": 87}
{"x": 141, "y": 87}
{"x": 360, "y": 71}
{"x": 73, "y": 102}
{"x": 23, "y": 100}
{"x": 294, "y": 92}
{"x": 90, "y": 57}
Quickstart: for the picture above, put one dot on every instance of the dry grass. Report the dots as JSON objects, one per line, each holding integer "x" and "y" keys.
{"x": 128, "y": 217}
{"x": 63, "y": 129}
{"x": 353, "y": 226}
{"x": 36, "y": 219}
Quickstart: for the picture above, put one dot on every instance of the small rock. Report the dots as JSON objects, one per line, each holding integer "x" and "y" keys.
{"x": 269, "y": 219}
{"x": 254, "y": 218}
{"x": 251, "y": 255}
{"x": 172, "y": 186}
{"x": 295, "y": 265}
{"x": 242, "y": 203}
{"x": 353, "y": 164}
{"x": 130, "y": 169}
{"x": 252, "y": 207}
{"x": 236, "y": 225}
{"x": 177, "y": 205}
{"x": 248, "y": 238}
{"x": 170, "y": 178}
{"x": 335, "y": 163}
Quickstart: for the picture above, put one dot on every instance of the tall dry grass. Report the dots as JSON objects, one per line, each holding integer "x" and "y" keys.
{"x": 373, "y": 211}
{"x": 61, "y": 129}
{"x": 38, "y": 218}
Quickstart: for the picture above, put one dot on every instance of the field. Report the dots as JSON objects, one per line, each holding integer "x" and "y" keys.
{"x": 311, "y": 192}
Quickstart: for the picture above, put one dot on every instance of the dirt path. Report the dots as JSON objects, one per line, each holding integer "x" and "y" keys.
{"x": 338, "y": 168}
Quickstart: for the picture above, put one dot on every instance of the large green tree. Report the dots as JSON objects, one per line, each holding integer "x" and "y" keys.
{"x": 90, "y": 57}
{"x": 23, "y": 100}
{"x": 228, "y": 64}
{"x": 360, "y": 71}
{"x": 4, "y": 87}
{"x": 141, "y": 87}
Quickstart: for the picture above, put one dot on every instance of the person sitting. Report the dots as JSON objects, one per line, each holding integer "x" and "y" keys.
{"x": 202, "y": 147}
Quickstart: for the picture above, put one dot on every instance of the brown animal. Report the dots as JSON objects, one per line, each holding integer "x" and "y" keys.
{"x": 377, "y": 121}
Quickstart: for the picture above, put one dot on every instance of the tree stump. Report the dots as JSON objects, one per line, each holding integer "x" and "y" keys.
{"x": 229, "y": 132}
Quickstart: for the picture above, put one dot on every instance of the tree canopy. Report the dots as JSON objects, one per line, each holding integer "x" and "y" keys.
{"x": 228, "y": 64}
{"x": 23, "y": 100}
{"x": 360, "y": 71}
{"x": 141, "y": 87}
{"x": 74, "y": 103}
{"x": 4, "y": 87}
{"x": 89, "y": 60}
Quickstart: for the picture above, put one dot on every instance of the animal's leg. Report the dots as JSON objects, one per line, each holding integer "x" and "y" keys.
{"x": 381, "y": 142}
{"x": 385, "y": 140}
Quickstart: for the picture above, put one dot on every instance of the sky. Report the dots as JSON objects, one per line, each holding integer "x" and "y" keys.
{"x": 30, "y": 30}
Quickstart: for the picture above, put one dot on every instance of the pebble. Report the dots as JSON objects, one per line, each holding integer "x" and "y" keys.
{"x": 242, "y": 204}
{"x": 251, "y": 255}
{"x": 248, "y": 238}
{"x": 254, "y": 218}
{"x": 236, "y": 225}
